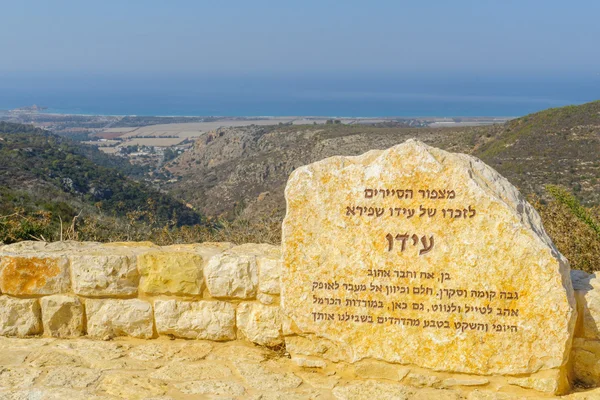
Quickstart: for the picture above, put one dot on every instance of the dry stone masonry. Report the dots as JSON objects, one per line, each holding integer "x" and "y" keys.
{"x": 402, "y": 269}
{"x": 140, "y": 290}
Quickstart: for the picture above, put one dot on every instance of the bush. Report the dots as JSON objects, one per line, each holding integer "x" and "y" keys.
{"x": 573, "y": 228}
{"x": 20, "y": 226}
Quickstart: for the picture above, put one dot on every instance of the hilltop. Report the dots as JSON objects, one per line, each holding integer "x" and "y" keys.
{"x": 555, "y": 146}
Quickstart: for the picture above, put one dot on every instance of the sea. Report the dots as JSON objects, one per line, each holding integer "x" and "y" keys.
{"x": 366, "y": 95}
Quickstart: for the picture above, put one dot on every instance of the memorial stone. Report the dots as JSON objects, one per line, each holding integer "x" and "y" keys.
{"x": 414, "y": 255}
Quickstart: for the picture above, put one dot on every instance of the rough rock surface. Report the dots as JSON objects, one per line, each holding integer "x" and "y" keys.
{"x": 164, "y": 369}
{"x": 101, "y": 273}
{"x": 259, "y": 323}
{"x": 177, "y": 270}
{"x": 269, "y": 272}
{"x": 62, "y": 316}
{"x": 587, "y": 291}
{"x": 39, "y": 274}
{"x": 433, "y": 247}
{"x": 214, "y": 320}
{"x": 232, "y": 275}
{"x": 19, "y": 317}
{"x": 110, "y": 318}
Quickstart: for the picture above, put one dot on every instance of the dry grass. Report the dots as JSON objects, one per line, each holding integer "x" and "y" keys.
{"x": 572, "y": 227}
{"x": 136, "y": 226}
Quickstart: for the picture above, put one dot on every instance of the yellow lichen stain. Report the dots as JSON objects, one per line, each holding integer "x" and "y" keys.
{"x": 26, "y": 275}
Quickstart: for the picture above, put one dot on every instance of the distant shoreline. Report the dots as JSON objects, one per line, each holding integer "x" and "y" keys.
{"x": 265, "y": 117}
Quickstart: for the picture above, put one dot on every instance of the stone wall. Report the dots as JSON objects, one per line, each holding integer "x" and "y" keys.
{"x": 213, "y": 291}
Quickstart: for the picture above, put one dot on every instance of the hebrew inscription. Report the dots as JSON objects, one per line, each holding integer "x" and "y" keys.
{"x": 418, "y": 256}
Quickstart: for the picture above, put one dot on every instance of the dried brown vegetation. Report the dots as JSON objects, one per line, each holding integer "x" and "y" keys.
{"x": 19, "y": 226}
{"x": 572, "y": 228}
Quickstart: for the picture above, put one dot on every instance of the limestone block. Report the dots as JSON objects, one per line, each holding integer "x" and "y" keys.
{"x": 259, "y": 323}
{"x": 586, "y": 361}
{"x": 268, "y": 259}
{"x": 213, "y": 320}
{"x": 19, "y": 317}
{"x": 269, "y": 271}
{"x": 107, "y": 318}
{"x": 171, "y": 272}
{"x": 232, "y": 275}
{"x": 101, "y": 273}
{"x": 136, "y": 247}
{"x": 541, "y": 384}
{"x": 31, "y": 247}
{"x": 587, "y": 293}
{"x": 431, "y": 247}
{"x": 34, "y": 274}
{"x": 62, "y": 316}
{"x": 205, "y": 249}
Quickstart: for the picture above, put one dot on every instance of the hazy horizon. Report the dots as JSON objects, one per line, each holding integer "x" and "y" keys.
{"x": 352, "y": 96}
{"x": 306, "y": 58}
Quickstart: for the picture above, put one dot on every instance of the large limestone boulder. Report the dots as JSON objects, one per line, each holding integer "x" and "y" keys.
{"x": 108, "y": 318}
{"x": 177, "y": 270}
{"x": 259, "y": 323}
{"x": 414, "y": 255}
{"x": 212, "y": 320}
{"x": 62, "y": 316}
{"x": 34, "y": 274}
{"x": 101, "y": 273}
{"x": 19, "y": 317}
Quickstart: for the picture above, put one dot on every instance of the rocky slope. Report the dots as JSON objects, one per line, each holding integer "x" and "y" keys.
{"x": 558, "y": 146}
{"x": 244, "y": 170}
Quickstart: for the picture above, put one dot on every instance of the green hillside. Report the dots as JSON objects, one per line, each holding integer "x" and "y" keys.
{"x": 559, "y": 146}
{"x": 42, "y": 172}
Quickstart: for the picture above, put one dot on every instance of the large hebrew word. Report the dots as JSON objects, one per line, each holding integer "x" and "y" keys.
{"x": 404, "y": 238}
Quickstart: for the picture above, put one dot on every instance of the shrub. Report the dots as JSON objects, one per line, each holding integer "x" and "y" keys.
{"x": 572, "y": 227}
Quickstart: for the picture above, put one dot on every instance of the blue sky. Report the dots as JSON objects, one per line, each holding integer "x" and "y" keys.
{"x": 532, "y": 37}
